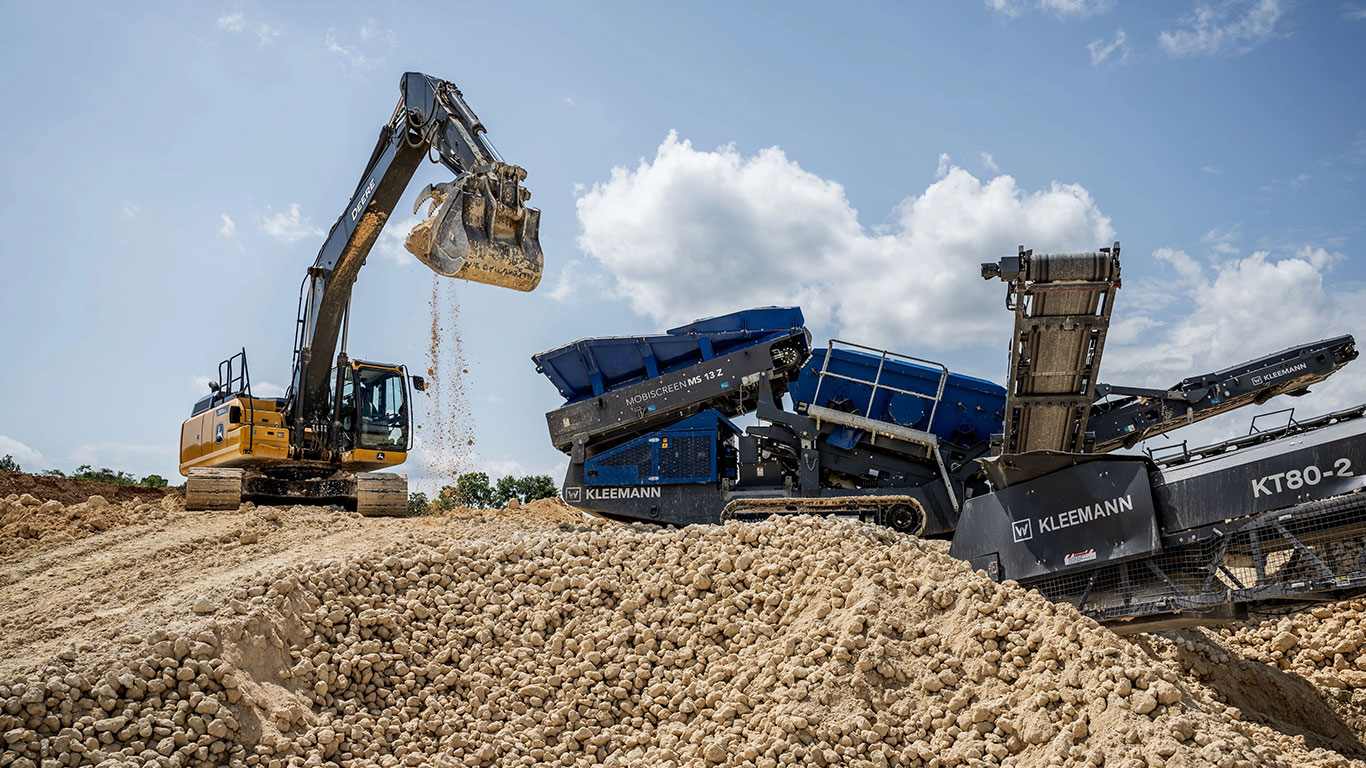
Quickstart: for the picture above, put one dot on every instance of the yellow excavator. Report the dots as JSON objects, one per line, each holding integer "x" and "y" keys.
{"x": 342, "y": 419}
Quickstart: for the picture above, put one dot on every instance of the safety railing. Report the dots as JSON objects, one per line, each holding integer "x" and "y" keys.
{"x": 876, "y": 383}
{"x": 236, "y": 380}
{"x": 1290, "y": 423}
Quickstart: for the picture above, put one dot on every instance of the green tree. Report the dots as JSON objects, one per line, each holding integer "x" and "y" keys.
{"x": 533, "y": 487}
{"x": 54, "y": 473}
{"x": 8, "y": 464}
{"x": 472, "y": 490}
{"x": 104, "y": 475}
{"x": 418, "y": 504}
{"x": 445, "y": 499}
{"x": 154, "y": 481}
{"x": 506, "y": 489}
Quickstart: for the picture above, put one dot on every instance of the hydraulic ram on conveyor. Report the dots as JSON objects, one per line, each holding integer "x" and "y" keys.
{"x": 1062, "y": 307}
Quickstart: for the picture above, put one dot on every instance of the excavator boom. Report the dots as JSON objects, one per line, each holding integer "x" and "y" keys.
{"x": 480, "y": 230}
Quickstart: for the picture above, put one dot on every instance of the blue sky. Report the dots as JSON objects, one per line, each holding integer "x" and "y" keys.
{"x": 170, "y": 171}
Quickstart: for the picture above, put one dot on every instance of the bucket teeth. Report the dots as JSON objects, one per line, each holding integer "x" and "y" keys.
{"x": 479, "y": 229}
{"x": 436, "y": 194}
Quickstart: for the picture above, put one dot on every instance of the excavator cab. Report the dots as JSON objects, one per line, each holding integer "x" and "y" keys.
{"x": 375, "y": 413}
{"x": 478, "y": 228}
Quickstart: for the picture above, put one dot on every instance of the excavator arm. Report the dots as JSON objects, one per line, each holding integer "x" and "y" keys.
{"x": 480, "y": 229}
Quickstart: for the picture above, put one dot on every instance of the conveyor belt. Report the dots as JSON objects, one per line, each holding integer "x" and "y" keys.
{"x": 1138, "y": 414}
{"x": 1062, "y": 307}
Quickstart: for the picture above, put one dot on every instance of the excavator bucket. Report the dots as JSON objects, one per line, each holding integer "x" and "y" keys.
{"x": 479, "y": 229}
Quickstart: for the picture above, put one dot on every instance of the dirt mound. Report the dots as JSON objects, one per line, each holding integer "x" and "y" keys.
{"x": 26, "y": 520}
{"x": 545, "y": 511}
{"x": 70, "y": 491}
{"x": 787, "y": 642}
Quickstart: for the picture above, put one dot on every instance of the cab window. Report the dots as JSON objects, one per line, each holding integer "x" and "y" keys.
{"x": 381, "y": 407}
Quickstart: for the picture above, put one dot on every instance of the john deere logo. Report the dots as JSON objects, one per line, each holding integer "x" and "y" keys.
{"x": 1022, "y": 530}
{"x": 379, "y": 456}
{"x": 218, "y": 433}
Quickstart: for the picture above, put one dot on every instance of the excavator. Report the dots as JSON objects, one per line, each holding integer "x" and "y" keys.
{"x": 343, "y": 419}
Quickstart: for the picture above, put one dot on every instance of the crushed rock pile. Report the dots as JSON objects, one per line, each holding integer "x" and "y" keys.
{"x": 789, "y": 642}
{"x": 1323, "y": 648}
{"x": 26, "y": 519}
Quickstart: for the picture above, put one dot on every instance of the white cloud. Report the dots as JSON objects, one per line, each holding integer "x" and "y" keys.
{"x": 392, "y": 237}
{"x": 130, "y": 210}
{"x": 1211, "y": 169}
{"x": 1232, "y": 27}
{"x": 29, "y": 459}
{"x": 290, "y": 226}
{"x": 1074, "y": 7}
{"x": 372, "y": 30}
{"x": 579, "y": 279}
{"x": 351, "y": 57}
{"x": 941, "y": 168}
{"x": 237, "y": 23}
{"x": 229, "y": 227}
{"x": 693, "y": 233}
{"x": 1353, "y": 12}
{"x": 1297, "y": 182}
{"x": 1061, "y": 8}
{"x": 230, "y": 22}
{"x": 266, "y": 34}
{"x": 1221, "y": 241}
{"x": 1356, "y": 151}
{"x": 1102, "y": 51}
{"x": 989, "y": 162}
{"x": 1006, "y": 7}
{"x": 1187, "y": 268}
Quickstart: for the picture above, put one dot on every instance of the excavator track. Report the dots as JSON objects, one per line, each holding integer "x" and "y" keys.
{"x": 207, "y": 489}
{"x": 382, "y": 494}
{"x": 901, "y": 513}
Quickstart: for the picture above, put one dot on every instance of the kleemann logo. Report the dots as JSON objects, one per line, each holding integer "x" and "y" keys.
{"x": 1023, "y": 530}
{"x": 1259, "y": 380}
{"x": 1086, "y": 514}
{"x": 576, "y": 493}
{"x": 624, "y": 493}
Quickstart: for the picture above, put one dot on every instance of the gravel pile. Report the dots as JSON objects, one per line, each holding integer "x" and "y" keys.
{"x": 26, "y": 520}
{"x": 789, "y": 642}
